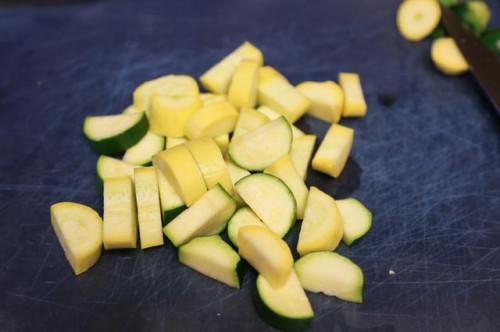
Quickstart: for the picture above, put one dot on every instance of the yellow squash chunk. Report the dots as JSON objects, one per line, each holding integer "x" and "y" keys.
{"x": 416, "y": 19}
{"x": 209, "y": 98}
{"x": 269, "y": 72}
{"x": 447, "y": 56}
{"x": 334, "y": 150}
{"x": 213, "y": 257}
{"x": 174, "y": 141}
{"x": 211, "y": 121}
{"x": 301, "y": 153}
{"x": 243, "y": 217}
{"x": 270, "y": 199}
{"x": 171, "y": 108}
{"x": 267, "y": 253}
{"x": 262, "y": 146}
{"x": 79, "y": 231}
{"x": 120, "y": 220}
{"x": 132, "y": 109}
{"x": 354, "y": 102}
{"x": 170, "y": 85}
{"x": 223, "y": 142}
{"x": 322, "y": 227}
{"x": 171, "y": 203}
{"x": 284, "y": 170}
{"x": 217, "y": 78}
{"x": 277, "y": 93}
{"x": 243, "y": 89}
{"x": 148, "y": 207}
{"x": 181, "y": 170}
{"x": 236, "y": 173}
{"x": 327, "y": 99}
{"x": 286, "y": 308}
{"x": 207, "y": 216}
{"x": 272, "y": 115}
{"x": 169, "y": 115}
{"x": 248, "y": 120}
{"x": 331, "y": 274}
{"x": 209, "y": 158}
{"x": 109, "y": 167}
{"x": 143, "y": 93}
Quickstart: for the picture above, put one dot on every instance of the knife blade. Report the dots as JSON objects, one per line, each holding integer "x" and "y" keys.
{"x": 483, "y": 63}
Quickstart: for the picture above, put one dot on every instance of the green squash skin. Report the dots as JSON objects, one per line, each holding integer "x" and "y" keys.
{"x": 492, "y": 40}
{"x": 169, "y": 215}
{"x": 121, "y": 142}
{"x": 276, "y": 320}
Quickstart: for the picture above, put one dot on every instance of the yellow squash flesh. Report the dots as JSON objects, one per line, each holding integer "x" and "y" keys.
{"x": 334, "y": 150}
{"x": 322, "y": 227}
{"x": 79, "y": 231}
{"x": 267, "y": 253}
{"x": 148, "y": 207}
{"x": 181, "y": 170}
{"x": 120, "y": 218}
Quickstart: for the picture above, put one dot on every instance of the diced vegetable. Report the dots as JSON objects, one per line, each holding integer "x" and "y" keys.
{"x": 270, "y": 199}
{"x": 171, "y": 203}
{"x": 272, "y": 115}
{"x": 301, "y": 153}
{"x": 248, "y": 120}
{"x": 236, "y": 173}
{"x": 208, "y": 98}
{"x": 79, "y": 231}
{"x": 284, "y": 170}
{"x": 354, "y": 101}
{"x": 286, "y": 308}
{"x": 243, "y": 217}
{"x": 276, "y": 92}
{"x": 262, "y": 146}
{"x": 171, "y": 109}
{"x": 132, "y": 109}
{"x": 334, "y": 150}
{"x": 180, "y": 168}
{"x": 267, "y": 253}
{"x": 169, "y": 85}
{"x": 492, "y": 40}
{"x": 447, "y": 57}
{"x": 243, "y": 88}
{"x": 148, "y": 207}
{"x": 356, "y": 219}
{"x": 144, "y": 92}
{"x": 207, "y": 216}
{"x": 322, "y": 227}
{"x": 214, "y": 258}
{"x": 217, "y": 78}
{"x": 120, "y": 221}
{"x": 416, "y": 19}
{"x": 174, "y": 141}
{"x": 142, "y": 153}
{"x": 327, "y": 99}
{"x": 332, "y": 274}
{"x": 112, "y": 134}
{"x": 108, "y": 167}
{"x": 474, "y": 14}
{"x": 212, "y": 120}
{"x": 209, "y": 158}
{"x": 223, "y": 142}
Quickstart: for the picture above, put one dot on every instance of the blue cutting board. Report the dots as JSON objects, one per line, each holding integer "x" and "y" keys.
{"x": 426, "y": 161}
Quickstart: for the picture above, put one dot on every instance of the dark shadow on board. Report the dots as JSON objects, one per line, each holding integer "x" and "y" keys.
{"x": 343, "y": 186}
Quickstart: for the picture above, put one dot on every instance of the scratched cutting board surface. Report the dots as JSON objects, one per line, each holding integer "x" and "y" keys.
{"x": 426, "y": 161}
